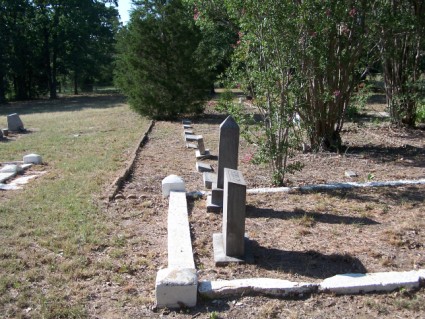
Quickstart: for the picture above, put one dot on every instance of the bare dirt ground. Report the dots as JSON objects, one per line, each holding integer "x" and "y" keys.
{"x": 298, "y": 237}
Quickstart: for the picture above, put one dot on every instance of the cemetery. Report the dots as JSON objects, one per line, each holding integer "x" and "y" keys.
{"x": 212, "y": 159}
{"x": 326, "y": 241}
{"x": 300, "y": 239}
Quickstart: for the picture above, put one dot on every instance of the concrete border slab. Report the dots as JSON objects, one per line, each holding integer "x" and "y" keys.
{"x": 370, "y": 282}
{"x": 252, "y": 286}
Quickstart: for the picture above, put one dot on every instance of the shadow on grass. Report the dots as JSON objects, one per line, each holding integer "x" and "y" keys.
{"x": 389, "y": 195}
{"x": 306, "y": 263}
{"x": 411, "y": 156}
{"x": 63, "y": 104}
{"x": 254, "y": 212}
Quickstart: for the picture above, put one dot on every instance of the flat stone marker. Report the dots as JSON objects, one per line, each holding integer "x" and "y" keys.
{"x": 203, "y": 167}
{"x": 187, "y": 122}
{"x": 187, "y": 126}
{"x": 14, "y": 122}
{"x": 229, "y": 245}
{"x": 191, "y": 145}
{"x": 363, "y": 283}
{"x": 227, "y": 158}
{"x": 11, "y": 168}
{"x": 5, "y": 176}
{"x": 172, "y": 183}
{"x": 189, "y": 132}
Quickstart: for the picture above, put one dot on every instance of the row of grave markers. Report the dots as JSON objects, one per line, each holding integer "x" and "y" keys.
{"x": 228, "y": 191}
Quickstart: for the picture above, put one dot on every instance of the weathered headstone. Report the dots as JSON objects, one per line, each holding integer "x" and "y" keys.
{"x": 209, "y": 179}
{"x": 5, "y": 132}
{"x": 32, "y": 159}
{"x": 201, "y": 152}
{"x": 172, "y": 183}
{"x": 227, "y": 158}
{"x": 14, "y": 122}
{"x": 229, "y": 245}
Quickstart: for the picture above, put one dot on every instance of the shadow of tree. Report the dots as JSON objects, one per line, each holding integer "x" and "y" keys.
{"x": 389, "y": 195}
{"x": 63, "y": 104}
{"x": 306, "y": 263}
{"x": 254, "y": 212}
{"x": 412, "y": 156}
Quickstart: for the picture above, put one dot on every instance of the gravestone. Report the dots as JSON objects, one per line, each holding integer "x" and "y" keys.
{"x": 201, "y": 152}
{"x": 14, "y": 122}
{"x": 172, "y": 183}
{"x": 227, "y": 158}
{"x": 203, "y": 167}
{"x": 32, "y": 159}
{"x": 229, "y": 245}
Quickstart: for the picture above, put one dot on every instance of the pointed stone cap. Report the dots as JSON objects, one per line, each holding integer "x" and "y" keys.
{"x": 229, "y": 123}
{"x": 172, "y": 183}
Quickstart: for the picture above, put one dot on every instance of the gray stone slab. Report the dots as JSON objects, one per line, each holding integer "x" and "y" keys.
{"x": 186, "y": 122}
{"x": 213, "y": 208}
{"x": 206, "y": 154}
{"x": 6, "y": 176}
{"x": 172, "y": 183}
{"x": 180, "y": 254}
{"x": 220, "y": 257}
{"x": 14, "y": 122}
{"x": 193, "y": 138}
{"x": 187, "y": 126}
{"x": 203, "y": 167}
{"x": 189, "y": 132}
{"x": 371, "y": 282}
{"x": 234, "y": 208}
{"x": 209, "y": 179}
{"x": 201, "y": 146}
{"x": 254, "y": 286}
{"x": 228, "y": 148}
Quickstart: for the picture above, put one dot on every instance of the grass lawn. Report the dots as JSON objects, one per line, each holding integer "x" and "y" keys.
{"x": 48, "y": 228}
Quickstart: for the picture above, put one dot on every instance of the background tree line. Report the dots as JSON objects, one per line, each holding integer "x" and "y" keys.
{"x": 42, "y": 41}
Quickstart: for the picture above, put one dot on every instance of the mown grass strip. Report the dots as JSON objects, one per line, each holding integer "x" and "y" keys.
{"x": 48, "y": 228}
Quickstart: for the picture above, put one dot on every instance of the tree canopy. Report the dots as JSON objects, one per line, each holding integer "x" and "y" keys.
{"x": 44, "y": 39}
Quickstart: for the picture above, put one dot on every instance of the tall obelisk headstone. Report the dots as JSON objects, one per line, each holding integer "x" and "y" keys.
{"x": 227, "y": 158}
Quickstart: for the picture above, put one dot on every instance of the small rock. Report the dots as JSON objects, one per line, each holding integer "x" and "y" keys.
{"x": 119, "y": 196}
{"x": 350, "y": 174}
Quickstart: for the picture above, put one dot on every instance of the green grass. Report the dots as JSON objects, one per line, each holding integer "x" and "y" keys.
{"x": 48, "y": 228}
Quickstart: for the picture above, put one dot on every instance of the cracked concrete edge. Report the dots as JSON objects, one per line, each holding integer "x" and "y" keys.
{"x": 339, "y": 284}
{"x": 333, "y": 186}
{"x": 125, "y": 173}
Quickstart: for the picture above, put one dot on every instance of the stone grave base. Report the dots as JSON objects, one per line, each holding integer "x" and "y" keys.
{"x": 220, "y": 257}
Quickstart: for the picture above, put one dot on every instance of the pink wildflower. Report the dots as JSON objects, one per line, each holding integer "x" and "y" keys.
{"x": 337, "y": 93}
{"x": 353, "y": 12}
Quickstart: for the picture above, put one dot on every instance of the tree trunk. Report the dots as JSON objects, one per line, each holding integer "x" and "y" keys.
{"x": 75, "y": 83}
{"x": 2, "y": 89}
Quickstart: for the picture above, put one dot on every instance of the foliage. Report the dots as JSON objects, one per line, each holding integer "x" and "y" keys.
{"x": 262, "y": 68}
{"x": 44, "y": 39}
{"x": 160, "y": 66}
{"x": 400, "y": 35}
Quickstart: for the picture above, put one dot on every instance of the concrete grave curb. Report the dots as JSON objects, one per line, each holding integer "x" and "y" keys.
{"x": 335, "y": 186}
{"x": 177, "y": 285}
{"x": 339, "y": 284}
{"x": 123, "y": 176}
